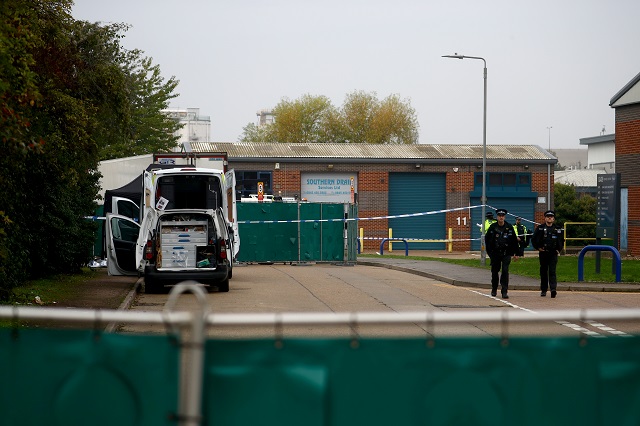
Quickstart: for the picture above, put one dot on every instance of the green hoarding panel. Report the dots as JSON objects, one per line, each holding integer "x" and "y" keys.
{"x": 268, "y": 242}
{"x": 73, "y": 377}
{"x": 529, "y": 381}
{"x": 311, "y": 233}
{"x": 304, "y": 233}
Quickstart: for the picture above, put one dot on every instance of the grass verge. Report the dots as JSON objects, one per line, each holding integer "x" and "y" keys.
{"x": 567, "y": 270}
{"x": 58, "y": 287}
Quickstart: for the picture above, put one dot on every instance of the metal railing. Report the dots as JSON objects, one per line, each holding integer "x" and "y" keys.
{"x": 390, "y": 239}
{"x": 579, "y": 238}
{"x": 193, "y": 326}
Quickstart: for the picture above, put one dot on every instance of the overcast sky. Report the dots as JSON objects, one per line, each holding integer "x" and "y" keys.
{"x": 551, "y": 63}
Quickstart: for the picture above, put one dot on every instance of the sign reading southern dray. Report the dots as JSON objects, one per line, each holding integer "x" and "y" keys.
{"x": 328, "y": 187}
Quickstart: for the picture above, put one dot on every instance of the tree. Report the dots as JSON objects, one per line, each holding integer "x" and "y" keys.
{"x": 302, "y": 120}
{"x": 367, "y": 120}
{"x": 19, "y": 93}
{"x": 69, "y": 97}
{"x": 254, "y": 133}
{"x": 127, "y": 92}
{"x": 362, "y": 119}
{"x": 571, "y": 208}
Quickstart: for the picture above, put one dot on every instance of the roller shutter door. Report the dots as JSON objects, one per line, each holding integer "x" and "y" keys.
{"x": 417, "y": 193}
{"x": 523, "y": 207}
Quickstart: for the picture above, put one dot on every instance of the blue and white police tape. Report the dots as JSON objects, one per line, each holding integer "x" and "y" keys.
{"x": 351, "y": 219}
{"x": 453, "y": 240}
{"x": 514, "y": 216}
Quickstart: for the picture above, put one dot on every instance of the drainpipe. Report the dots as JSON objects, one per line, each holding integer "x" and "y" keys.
{"x": 548, "y": 186}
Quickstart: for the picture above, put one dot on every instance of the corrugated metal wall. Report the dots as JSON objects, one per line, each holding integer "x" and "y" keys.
{"x": 416, "y": 193}
{"x": 523, "y": 207}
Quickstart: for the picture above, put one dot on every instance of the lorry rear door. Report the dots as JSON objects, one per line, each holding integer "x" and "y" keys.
{"x": 149, "y": 214}
{"x": 122, "y": 234}
{"x": 232, "y": 212}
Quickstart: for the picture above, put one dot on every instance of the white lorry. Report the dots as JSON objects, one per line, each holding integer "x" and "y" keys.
{"x": 188, "y": 230}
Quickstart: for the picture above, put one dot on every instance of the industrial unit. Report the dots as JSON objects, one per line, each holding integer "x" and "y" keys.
{"x": 393, "y": 180}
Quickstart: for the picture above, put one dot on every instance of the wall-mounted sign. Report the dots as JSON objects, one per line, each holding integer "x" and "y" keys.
{"x": 260, "y": 191}
{"x": 328, "y": 187}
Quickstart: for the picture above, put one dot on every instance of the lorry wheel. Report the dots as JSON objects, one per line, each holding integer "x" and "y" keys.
{"x": 223, "y": 286}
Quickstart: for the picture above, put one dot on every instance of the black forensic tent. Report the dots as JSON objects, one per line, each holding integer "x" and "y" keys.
{"x": 132, "y": 190}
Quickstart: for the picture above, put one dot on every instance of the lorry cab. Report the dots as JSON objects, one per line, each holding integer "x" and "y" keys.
{"x": 187, "y": 231}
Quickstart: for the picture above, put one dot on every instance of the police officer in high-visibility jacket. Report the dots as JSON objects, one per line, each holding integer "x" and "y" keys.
{"x": 488, "y": 221}
{"x": 502, "y": 244}
{"x": 548, "y": 239}
{"x": 522, "y": 234}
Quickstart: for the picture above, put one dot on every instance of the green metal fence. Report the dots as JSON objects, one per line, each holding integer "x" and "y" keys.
{"x": 296, "y": 232}
{"x": 80, "y": 377}
{"x": 67, "y": 377}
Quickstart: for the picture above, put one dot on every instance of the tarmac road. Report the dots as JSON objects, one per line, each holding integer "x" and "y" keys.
{"x": 399, "y": 286}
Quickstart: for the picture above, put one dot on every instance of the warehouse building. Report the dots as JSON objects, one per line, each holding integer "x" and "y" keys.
{"x": 395, "y": 180}
{"x": 627, "y": 155}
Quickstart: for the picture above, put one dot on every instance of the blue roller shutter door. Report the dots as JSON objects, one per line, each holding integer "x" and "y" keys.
{"x": 523, "y": 207}
{"x": 417, "y": 193}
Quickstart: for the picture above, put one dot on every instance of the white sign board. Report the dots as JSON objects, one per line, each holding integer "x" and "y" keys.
{"x": 328, "y": 187}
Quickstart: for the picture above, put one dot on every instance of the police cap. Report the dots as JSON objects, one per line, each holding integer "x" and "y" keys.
{"x": 501, "y": 212}
{"x": 549, "y": 213}
{"x": 489, "y": 214}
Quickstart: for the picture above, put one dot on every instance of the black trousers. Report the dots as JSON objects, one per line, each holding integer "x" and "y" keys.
{"x": 499, "y": 262}
{"x": 548, "y": 263}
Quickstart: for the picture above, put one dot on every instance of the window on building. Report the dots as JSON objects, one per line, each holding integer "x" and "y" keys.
{"x": 505, "y": 181}
{"x": 247, "y": 183}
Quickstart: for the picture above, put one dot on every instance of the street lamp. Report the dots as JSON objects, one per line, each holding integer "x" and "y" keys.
{"x": 483, "y": 251}
{"x": 549, "y": 129}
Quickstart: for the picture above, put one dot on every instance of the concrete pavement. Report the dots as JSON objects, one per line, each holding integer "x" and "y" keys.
{"x": 468, "y": 276}
{"x": 465, "y": 276}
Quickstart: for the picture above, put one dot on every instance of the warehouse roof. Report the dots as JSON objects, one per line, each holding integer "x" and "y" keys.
{"x": 578, "y": 178}
{"x": 370, "y": 152}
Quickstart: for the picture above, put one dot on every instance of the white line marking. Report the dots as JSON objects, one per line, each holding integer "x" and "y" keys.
{"x": 574, "y": 327}
{"x": 506, "y": 302}
{"x": 606, "y": 328}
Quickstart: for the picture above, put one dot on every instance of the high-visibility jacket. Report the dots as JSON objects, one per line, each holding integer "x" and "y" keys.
{"x": 487, "y": 224}
{"x": 521, "y": 232}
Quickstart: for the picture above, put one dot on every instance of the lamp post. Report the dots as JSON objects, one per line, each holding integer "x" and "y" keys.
{"x": 483, "y": 251}
{"x": 549, "y": 173}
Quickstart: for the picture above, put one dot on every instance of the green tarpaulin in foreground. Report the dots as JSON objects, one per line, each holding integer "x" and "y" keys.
{"x": 70, "y": 377}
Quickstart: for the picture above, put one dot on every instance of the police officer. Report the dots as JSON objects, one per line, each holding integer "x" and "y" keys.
{"x": 502, "y": 244}
{"x": 548, "y": 239}
{"x": 522, "y": 234}
{"x": 488, "y": 221}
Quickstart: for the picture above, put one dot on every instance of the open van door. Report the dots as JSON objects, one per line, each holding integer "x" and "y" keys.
{"x": 122, "y": 235}
{"x": 232, "y": 212}
{"x": 125, "y": 207}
